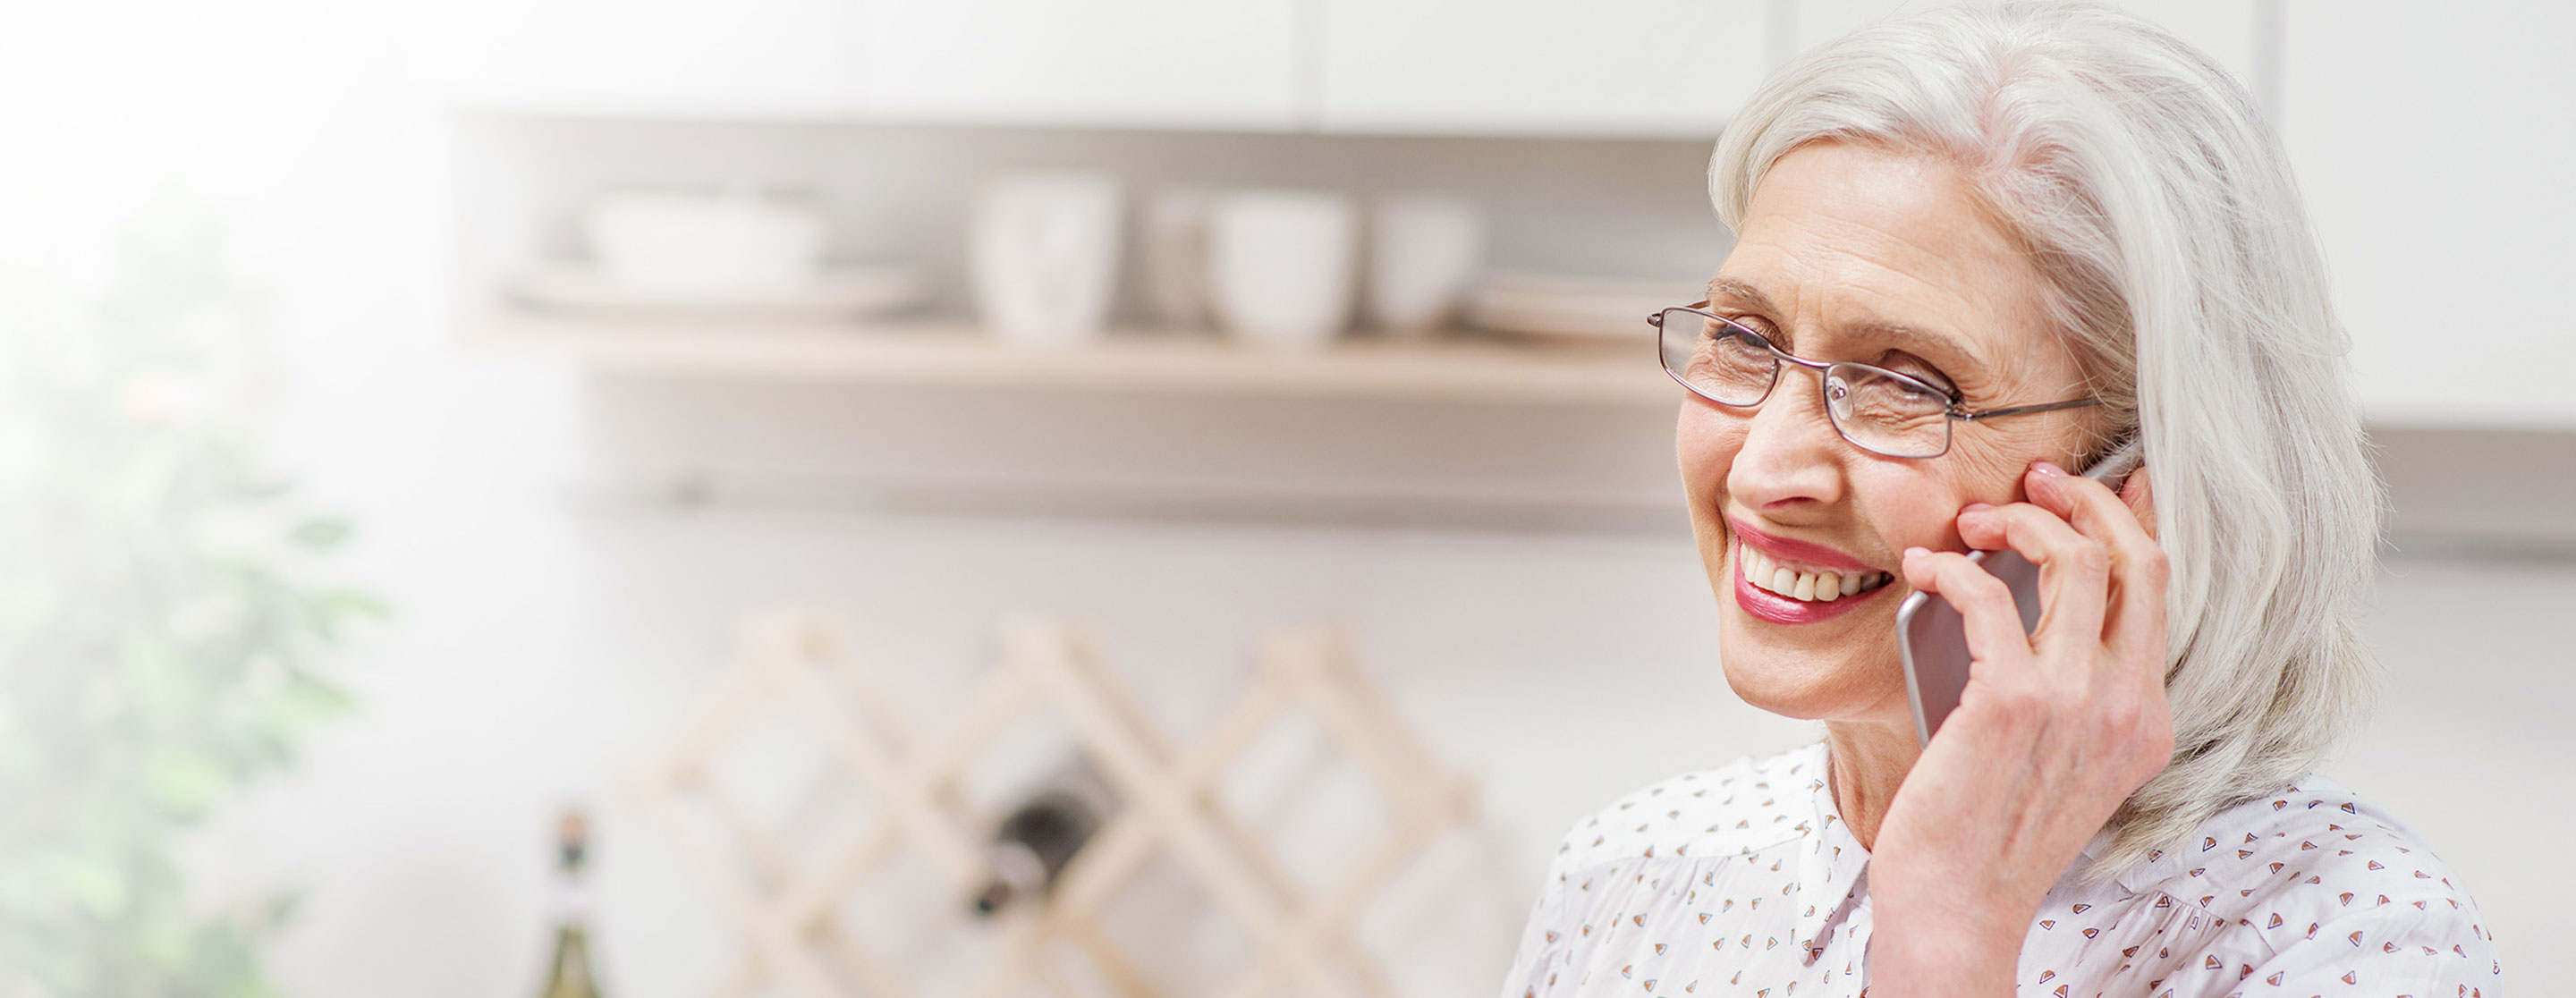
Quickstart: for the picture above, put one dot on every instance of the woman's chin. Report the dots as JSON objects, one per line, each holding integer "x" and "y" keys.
{"x": 1819, "y": 695}
{"x": 1828, "y": 681}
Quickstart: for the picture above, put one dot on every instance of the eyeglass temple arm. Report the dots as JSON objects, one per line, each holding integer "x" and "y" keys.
{"x": 1657, "y": 320}
{"x": 2021, "y": 409}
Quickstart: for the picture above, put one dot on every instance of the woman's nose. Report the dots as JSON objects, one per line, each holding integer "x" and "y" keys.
{"x": 1791, "y": 453}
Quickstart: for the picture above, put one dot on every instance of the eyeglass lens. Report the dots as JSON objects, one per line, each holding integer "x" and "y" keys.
{"x": 1874, "y": 409}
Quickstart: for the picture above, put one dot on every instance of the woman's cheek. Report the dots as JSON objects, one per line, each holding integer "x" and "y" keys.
{"x": 1705, "y": 449}
{"x": 1704, "y": 453}
{"x": 1911, "y": 508}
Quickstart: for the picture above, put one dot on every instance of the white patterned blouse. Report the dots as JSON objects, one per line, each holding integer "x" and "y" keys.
{"x": 1743, "y": 880}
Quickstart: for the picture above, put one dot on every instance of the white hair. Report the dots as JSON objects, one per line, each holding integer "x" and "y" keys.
{"x": 2159, "y": 207}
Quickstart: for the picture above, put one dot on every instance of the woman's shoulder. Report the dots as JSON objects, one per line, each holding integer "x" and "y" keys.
{"x": 1742, "y": 806}
{"x": 2315, "y": 861}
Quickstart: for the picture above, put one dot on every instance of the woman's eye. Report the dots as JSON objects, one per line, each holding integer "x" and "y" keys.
{"x": 1755, "y": 325}
{"x": 1919, "y": 370}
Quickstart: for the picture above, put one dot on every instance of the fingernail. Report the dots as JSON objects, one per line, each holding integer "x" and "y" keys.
{"x": 1911, "y": 552}
{"x": 2047, "y": 468}
{"x": 1976, "y": 507}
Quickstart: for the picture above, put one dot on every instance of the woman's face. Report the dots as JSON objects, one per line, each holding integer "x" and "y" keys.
{"x": 1855, "y": 253}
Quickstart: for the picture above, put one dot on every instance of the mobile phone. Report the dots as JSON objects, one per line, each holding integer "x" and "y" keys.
{"x": 1933, "y": 638}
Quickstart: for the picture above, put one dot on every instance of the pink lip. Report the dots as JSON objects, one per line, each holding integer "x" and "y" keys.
{"x": 1779, "y": 609}
{"x": 1800, "y": 553}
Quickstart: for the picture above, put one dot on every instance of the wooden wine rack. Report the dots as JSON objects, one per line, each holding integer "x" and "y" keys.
{"x": 798, "y": 663}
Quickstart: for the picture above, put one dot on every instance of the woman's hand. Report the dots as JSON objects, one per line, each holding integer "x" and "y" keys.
{"x": 2055, "y": 729}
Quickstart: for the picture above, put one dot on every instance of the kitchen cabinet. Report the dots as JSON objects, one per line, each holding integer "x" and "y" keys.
{"x": 1156, "y": 63}
{"x": 2433, "y": 158}
{"x": 1626, "y": 67}
{"x": 662, "y": 58}
{"x": 2226, "y": 29}
{"x": 1638, "y": 68}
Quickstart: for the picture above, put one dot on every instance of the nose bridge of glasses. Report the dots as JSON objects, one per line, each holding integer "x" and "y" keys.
{"x": 1816, "y": 408}
{"x": 1830, "y": 377}
{"x": 1823, "y": 370}
{"x": 1787, "y": 441}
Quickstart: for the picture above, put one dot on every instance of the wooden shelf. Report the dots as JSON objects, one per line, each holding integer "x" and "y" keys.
{"x": 1452, "y": 367}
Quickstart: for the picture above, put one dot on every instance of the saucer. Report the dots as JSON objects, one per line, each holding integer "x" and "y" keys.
{"x": 835, "y": 292}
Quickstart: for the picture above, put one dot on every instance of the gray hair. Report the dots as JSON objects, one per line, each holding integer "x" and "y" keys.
{"x": 2159, "y": 207}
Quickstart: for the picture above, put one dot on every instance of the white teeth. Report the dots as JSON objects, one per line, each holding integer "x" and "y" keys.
{"x": 1812, "y": 587}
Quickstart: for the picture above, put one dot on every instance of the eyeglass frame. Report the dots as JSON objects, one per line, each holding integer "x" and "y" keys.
{"x": 1951, "y": 411}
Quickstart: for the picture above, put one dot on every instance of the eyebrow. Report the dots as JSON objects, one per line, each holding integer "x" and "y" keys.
{"x": 1919, "y": 341}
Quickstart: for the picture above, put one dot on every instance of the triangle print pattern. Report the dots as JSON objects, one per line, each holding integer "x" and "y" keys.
{"x": 1743, "y": 881}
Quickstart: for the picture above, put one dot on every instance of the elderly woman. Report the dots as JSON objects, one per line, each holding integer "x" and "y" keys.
{"x": 2003, "y": 240}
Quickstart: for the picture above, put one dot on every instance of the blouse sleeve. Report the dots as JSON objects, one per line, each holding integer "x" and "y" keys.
{"x": 1542, "y": 947}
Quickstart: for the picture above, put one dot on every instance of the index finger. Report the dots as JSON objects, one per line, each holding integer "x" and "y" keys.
{"x": 2137, "y": 562}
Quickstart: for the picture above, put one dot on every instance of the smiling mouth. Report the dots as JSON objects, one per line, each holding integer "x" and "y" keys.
{"x": 1806, "y": 586}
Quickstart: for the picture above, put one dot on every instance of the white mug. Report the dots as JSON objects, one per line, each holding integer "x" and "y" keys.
{"x": 1044, "y": 255}
{"x": 1422, "y": 250}
{"x": 1282, "y": 265}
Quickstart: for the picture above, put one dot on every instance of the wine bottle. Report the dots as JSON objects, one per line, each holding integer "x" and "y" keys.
{"x": 1033, "y": 842}
{"x": 570, "y": 975}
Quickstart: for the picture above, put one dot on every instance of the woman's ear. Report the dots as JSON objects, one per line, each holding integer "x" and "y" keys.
{"x": 2141, "y": 499}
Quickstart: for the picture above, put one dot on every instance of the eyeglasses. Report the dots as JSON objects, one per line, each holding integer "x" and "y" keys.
{"x": 1878, "y": 410}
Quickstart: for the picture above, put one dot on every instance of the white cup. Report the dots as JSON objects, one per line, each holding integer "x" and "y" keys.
{"x": 1282, "y": 265}
{"x": 730, "y": 241}
{"x": 1044, "y": 255}
{"x": 1422, "y": 250}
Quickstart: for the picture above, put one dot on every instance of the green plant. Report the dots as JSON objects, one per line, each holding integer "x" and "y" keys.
{"x": 166, "y": 621}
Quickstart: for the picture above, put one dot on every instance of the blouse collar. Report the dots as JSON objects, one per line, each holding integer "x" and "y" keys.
{"x": 1832, "y": 866}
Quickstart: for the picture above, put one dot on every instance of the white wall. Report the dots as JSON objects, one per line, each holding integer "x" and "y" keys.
{"x": 2470, "y": 746}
